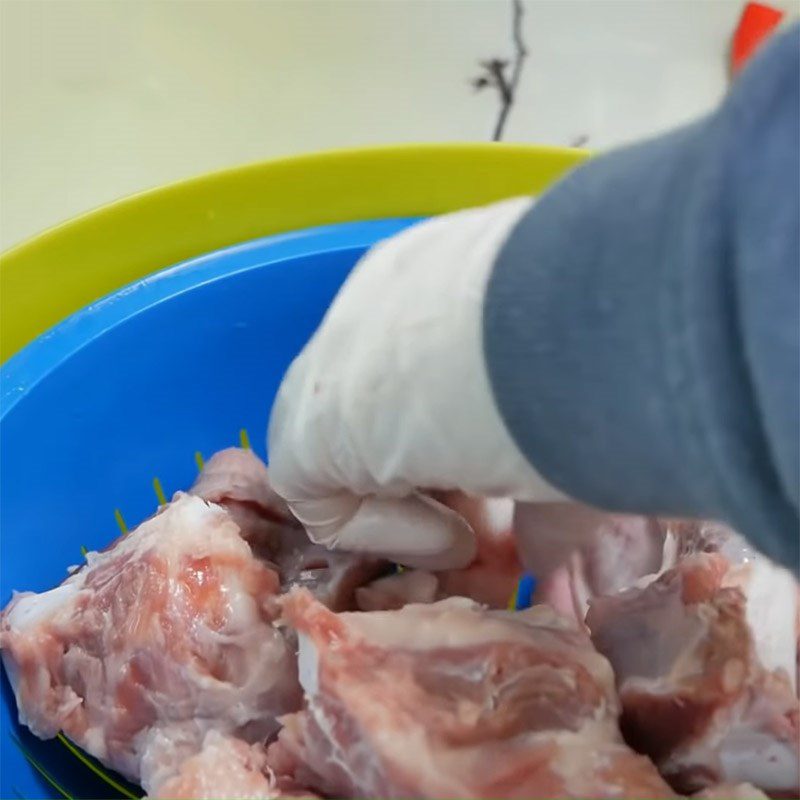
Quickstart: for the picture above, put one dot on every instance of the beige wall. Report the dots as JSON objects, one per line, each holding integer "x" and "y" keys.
{"x": 107, "y": 97}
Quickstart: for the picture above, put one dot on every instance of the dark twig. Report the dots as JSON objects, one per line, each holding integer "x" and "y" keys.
{"x": 520, "y": 53}
{"x": 494, "y": 72}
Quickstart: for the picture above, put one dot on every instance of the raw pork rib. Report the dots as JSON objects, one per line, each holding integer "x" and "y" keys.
{"x": 225, "y": 768}
{"x": 166, "y": 635}
{"x": 587, "y": 552}
{"x": 239, "y": 480}
{"x": 451, "y": 700}
{"x": 704, "y": 657}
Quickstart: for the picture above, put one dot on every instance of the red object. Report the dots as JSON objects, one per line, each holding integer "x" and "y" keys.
{"x": 756, "y": 24}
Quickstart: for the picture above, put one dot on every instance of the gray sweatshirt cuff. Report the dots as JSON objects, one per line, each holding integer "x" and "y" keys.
{"x": 620, "y": 334}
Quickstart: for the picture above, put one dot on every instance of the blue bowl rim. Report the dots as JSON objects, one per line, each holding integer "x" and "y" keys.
{"x": 23, "y": 371}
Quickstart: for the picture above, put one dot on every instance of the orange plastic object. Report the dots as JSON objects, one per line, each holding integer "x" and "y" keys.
{"x": 756, "y": 24}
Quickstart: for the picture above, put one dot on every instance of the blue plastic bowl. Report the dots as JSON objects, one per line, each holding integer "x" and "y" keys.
{"x": 128, "y": 390}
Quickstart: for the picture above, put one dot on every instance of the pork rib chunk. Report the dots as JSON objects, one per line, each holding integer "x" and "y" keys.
{"x": 226, "y": 768}
{"x": 239, "y": 480}
{"x": 577, "y": 552}
{"x": 704, "y": 657}
{"x": 452, "y": 700}
{"x": 166, "y": 635}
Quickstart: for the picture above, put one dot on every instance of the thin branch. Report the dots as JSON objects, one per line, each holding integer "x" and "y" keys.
{"x": 520, "y": 52}
{"x": 494, "y": 72}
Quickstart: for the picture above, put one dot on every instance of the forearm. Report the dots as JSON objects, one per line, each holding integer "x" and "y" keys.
{"x": 641, "y": 323}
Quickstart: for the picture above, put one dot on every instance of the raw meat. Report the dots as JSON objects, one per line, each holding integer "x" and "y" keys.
{"x": 171, "y": 655}
{"x": 396, "y": 591}
{"x": 333, "y": 577}
{"x": 704, "y": 657}
{"x": 452, "y": 700}
{"x": 493, "y": 575}
{"x": 239, "y": 480}
{"x": 577, "y": 552}
{"x": 727, "y": 791}
{"x": 225, "y": 768}
{"x": 166, "y": 635}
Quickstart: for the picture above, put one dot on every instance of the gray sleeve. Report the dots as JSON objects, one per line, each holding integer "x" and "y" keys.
{"x": 641, "y": 326}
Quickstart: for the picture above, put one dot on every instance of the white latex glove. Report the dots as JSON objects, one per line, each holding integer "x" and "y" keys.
{"x": 391, "y": 397}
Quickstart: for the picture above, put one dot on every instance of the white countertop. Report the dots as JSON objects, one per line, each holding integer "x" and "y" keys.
{"x": 102, "y": 99}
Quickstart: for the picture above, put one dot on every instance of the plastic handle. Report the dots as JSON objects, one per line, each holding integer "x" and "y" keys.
{"x": 755, "y": 26}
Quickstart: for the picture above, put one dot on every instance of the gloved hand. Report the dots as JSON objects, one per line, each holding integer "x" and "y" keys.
{"x": 391, "y": 398}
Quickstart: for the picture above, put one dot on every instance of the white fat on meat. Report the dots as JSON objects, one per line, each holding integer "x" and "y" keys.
{"x": 452, "y": 700}
{"x": 166, "y": 635}
{"x": 396, "y": 591}
{"x": 772, "y": 609}
{"x": 225, "y": 767}
{"x": 728, "y": 791}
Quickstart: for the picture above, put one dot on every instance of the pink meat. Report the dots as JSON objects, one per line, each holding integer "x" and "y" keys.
{"x": 493, "y": 576}
{"x": 239, "y": 480}
{"x": 396, "y": 591}
{"x": 577, "y": 552}
{"x": 452, "y": 700}
{"x": 704, "y": 657}
{"x": 333, "y": 577}
{"x": 166, "y": 635}
{"x": 226, "y": 768}
{"x": 727, "y": 791}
